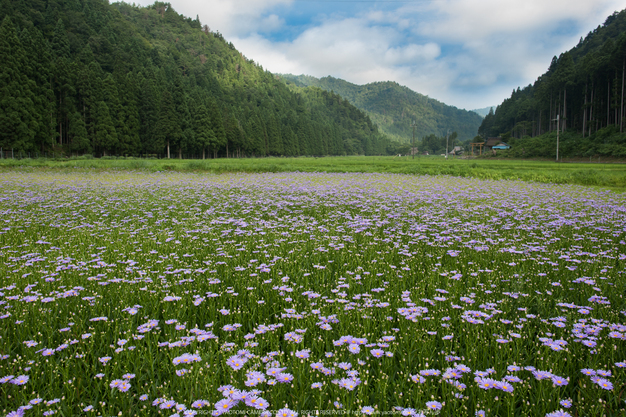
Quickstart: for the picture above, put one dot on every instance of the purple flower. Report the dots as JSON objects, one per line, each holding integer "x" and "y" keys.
{"x": 302, "y": 354}
{"x": 124, "y": 386}
{"x": 559, "y": 413}
{"x": 504, "y": 386}
{"x": 317, "y": 365}
{"x": 116, "y": 383}
{"x": 284, "y": 377}
{"x": 377, "y": 353}
{"x": 198, "y": 403}
{"x": 256, "y": 402}
{"x": 6, "y": 379}
{"x": 559, "y": 381}
{"x": 285, "y": 412}
{"x": 236, "y": 362}
{"x": 166, "y": 405}
{"x": 566, "y": 403}
{"x": 604, "y": 384}
{"x": 418, "y": 378}
{"x": 433, "y": 405}
{"x": 224, "y": 405}
{"x": 349, "y": 383}
{"x": 589, "y": 343}
{"x": 367, "y": 410}
{"x": 486, "y": 383}
{"x": 354, "y": 348}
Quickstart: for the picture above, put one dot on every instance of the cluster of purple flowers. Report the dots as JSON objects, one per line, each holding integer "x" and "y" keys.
{"x": 18, "y": 380}
{"x": 233, "y": 397}
{"x": 599, "y": 377}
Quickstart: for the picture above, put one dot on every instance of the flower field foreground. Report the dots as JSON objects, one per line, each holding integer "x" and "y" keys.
{"x": 276, "y": 294}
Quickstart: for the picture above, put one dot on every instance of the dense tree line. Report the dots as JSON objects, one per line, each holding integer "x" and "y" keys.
{"x": 394, "y": 108}
{"x": 583, "y": 88}
{"x": 84, "y": 76}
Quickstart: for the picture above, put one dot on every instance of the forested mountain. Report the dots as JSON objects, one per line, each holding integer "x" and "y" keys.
{"x": 394, "y": 107}
{"x": 86, "y": 76}
{"x": 583, "y": 87}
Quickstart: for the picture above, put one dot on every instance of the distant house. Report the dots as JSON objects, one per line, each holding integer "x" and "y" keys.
{"x": 458, "y": 150}
{"x": 491, "y": 142}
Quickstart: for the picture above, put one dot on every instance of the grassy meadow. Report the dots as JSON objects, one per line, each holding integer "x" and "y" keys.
{"x": 187, "y": 293}
{"x": 611, "y": 175}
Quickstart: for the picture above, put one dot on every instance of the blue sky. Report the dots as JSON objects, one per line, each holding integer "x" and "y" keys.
{"x": 466, "y": 53}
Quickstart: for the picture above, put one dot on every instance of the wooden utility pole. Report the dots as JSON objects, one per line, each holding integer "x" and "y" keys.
{"x": 557, "y": 137}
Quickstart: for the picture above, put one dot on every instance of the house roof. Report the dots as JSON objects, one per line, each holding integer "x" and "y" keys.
{"x": 493, "y": 141}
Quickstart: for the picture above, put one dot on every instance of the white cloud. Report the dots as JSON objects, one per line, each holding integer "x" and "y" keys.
{"x": 231, "y": 17}
{"x": 461, "y": 20}
{"x": 411, "y": 53}
{"x": 468, "y": 53}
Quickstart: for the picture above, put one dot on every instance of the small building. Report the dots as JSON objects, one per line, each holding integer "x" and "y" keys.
{"x": 491, "y": 142}
{"x": 457, "y": 150}
{"x": 501, "y": 146}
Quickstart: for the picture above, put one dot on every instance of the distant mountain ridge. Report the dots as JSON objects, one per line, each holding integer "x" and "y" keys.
{"x": 484, "y": 111}
{"x": 394, "y": 107}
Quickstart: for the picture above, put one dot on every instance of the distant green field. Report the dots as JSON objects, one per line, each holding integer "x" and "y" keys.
{"x": 611, "y": 175}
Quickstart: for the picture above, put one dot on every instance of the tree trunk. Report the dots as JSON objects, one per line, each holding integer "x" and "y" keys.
{"x": 550, "y": 119}
{"x": 539, "y": 125}
{"x": 621, "y": 113}
{"x": 168, "y": 149}
{"x": 585, "y": 111}
{"x": 591, "y": 109}
{"x": 203, "y": 153}
{"x": 558, "y": 122}
{"x": 180, "y": 153}
{"x": 608, "y": 102}
{"x": 60, "y": 124}
{"x": 564, "y": 109}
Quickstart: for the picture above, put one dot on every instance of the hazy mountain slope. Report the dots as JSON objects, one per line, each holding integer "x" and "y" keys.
{"x": 394, "y": 107}
{"x": 484, "y": 111}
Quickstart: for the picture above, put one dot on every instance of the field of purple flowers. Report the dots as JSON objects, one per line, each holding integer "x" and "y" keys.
{"x": 127, "y": 293}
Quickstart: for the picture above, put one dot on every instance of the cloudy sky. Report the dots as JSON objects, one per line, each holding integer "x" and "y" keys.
{"x": 466, "y": 53}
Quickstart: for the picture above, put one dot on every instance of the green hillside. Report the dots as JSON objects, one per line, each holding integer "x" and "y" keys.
{"x": 86, "y": 76}
{"x": 394, "y": 107}
{"x": 583, "y": 88}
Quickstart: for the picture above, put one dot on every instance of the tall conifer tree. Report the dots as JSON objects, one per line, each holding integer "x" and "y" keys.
{"x": 17, "y": 109}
